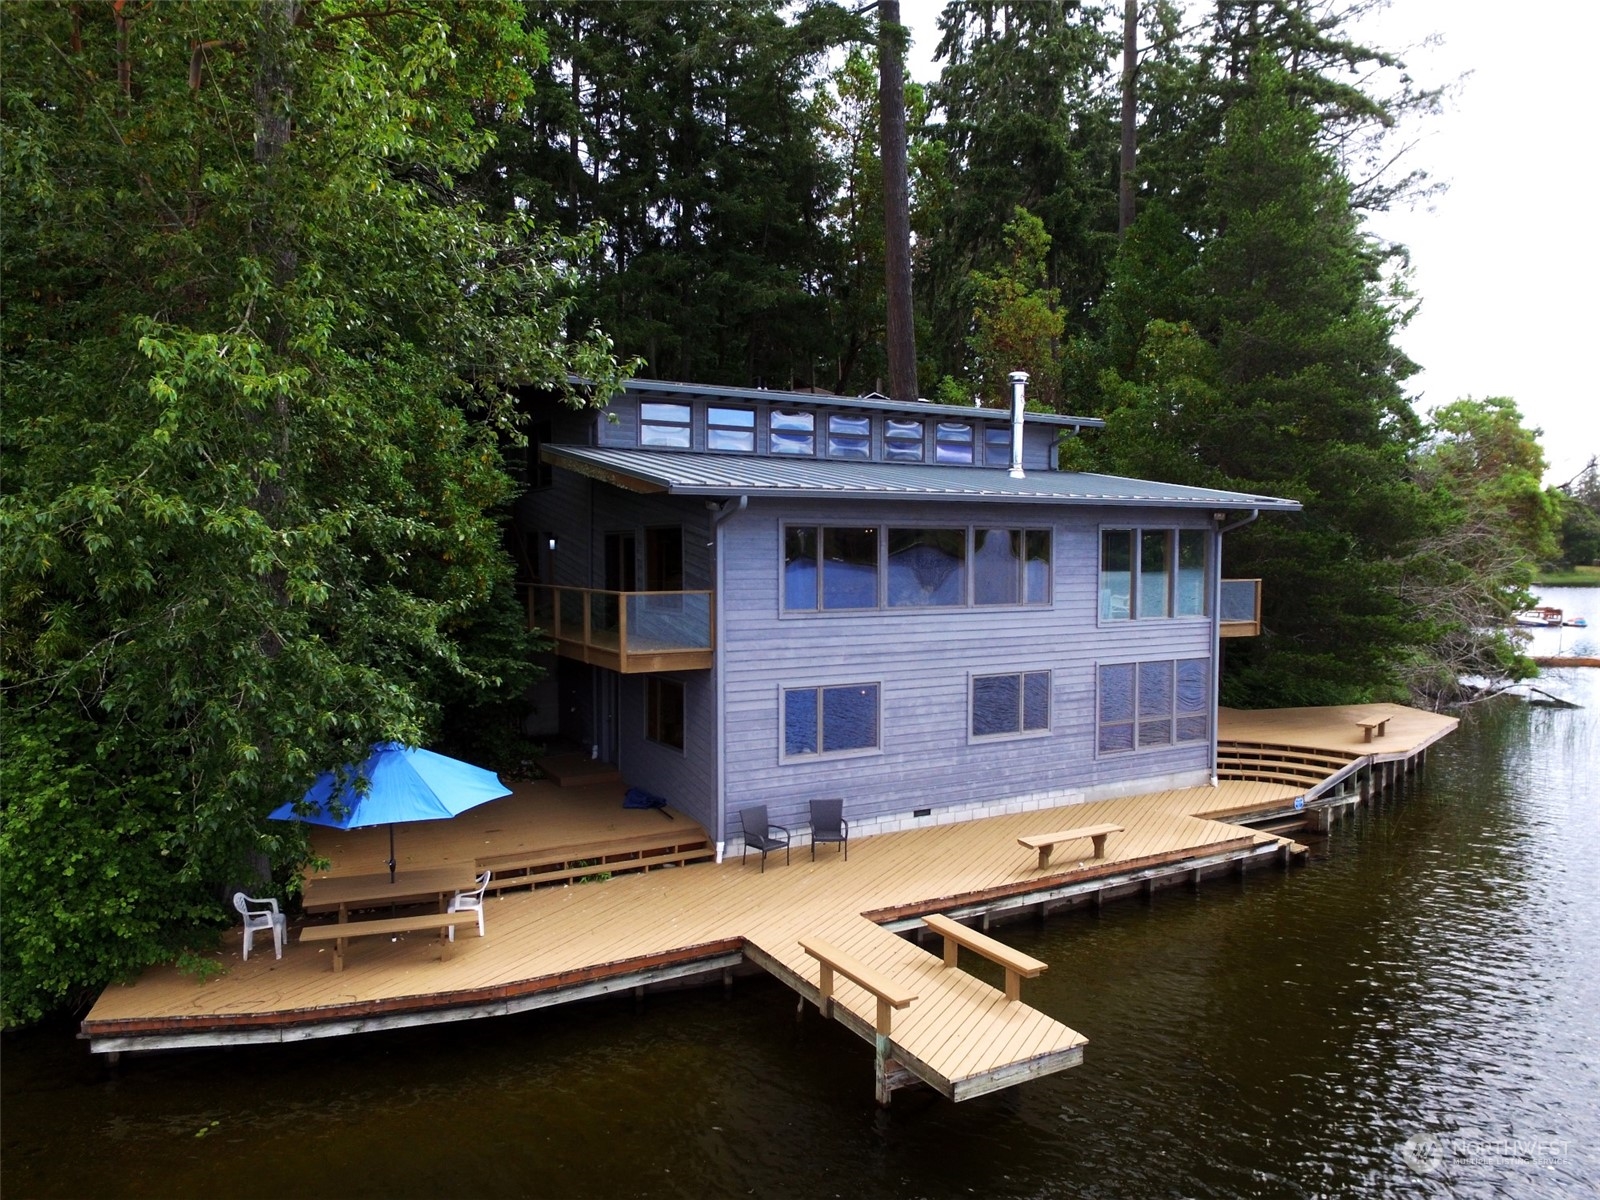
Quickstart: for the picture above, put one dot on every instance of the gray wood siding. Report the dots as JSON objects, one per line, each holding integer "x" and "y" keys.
{"x": 687, "y": 778}
{"x": 922, "y": 659}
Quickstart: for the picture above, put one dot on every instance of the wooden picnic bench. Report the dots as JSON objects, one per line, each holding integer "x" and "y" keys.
{"x": 343, "y": 931}
{"x": 1017, "y": 964}
{"x": 1044, "y": 843}
{"x": 889, "y": 994}
{"x": 1372, "y": 727}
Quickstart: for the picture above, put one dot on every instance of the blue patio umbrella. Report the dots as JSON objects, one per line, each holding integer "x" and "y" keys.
{"x": 404, "y": 784}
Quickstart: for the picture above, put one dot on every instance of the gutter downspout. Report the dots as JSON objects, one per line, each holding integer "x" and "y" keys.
{"x": 1216, "y": 634}
{"x": 719, "y": 514}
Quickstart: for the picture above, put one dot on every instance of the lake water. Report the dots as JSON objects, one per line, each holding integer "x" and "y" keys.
{"x": 1417, "y": 1013}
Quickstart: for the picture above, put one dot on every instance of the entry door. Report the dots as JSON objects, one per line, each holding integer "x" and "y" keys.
{"x": 607, "y": 713}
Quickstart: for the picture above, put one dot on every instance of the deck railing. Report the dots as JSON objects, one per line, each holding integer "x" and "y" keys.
{"x": 629, "y": 632}
{"x": 1241, "y": 607}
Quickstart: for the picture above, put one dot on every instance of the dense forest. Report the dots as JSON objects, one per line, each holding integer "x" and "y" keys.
{"x": 273, "y": 274}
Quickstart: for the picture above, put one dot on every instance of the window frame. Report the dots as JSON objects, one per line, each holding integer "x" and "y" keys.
{"x": 1174, "y": 554}
{"x": 826, "y": 437}
{"x": 1174, "y": 714}
{"x": 657, "y": 422}
{"x": 713, "y": 426}
{"x": 788, "y": 758}
{"x": 772, "y": 431}
{"x": 974, "y": 738}
{"x": 653, "y": 713}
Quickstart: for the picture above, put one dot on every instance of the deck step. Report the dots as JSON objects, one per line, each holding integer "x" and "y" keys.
{"x": 577, "y": 770}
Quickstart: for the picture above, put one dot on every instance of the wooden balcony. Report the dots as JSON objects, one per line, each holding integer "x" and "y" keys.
{"x": 628, "y": 632}
{"x": 1241, "y": 607}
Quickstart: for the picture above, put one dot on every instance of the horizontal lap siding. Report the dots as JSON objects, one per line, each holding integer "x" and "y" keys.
{"x": 686, "y": 778}
{"x": 922, "y": 659}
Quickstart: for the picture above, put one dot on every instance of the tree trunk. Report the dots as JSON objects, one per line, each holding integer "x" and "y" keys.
{"x": 902, "y": 342}
{"x": 1130, "y": 67}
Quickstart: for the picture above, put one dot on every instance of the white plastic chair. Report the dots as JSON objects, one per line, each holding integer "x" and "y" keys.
{"x": 470, "y": 902}
{"x": 264, "y": 915}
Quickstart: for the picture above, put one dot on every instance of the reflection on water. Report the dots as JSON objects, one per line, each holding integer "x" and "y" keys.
{"x": 1414, "y": 1014}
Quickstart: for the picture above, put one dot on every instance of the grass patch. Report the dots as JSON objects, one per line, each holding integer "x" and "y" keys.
{"x": 1579, "y": 576}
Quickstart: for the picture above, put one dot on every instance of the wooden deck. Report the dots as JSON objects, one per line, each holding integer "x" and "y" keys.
{"x": 553, "y": 944}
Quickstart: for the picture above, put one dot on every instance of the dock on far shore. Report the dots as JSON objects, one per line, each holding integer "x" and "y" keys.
{"x": 663, "y": 917}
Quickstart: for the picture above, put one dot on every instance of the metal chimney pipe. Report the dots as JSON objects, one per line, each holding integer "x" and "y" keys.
{"x": 1019, "y": 382}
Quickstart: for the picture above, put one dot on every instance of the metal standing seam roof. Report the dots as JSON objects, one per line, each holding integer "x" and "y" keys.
{"x": 681, "y": 473}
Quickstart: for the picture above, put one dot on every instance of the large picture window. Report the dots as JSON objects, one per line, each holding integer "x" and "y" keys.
{"x": 1147, "y": 705}
{"x": 1152, "y": 573}
{"x": 827, "y": 568}
{"x": 830, "y": 568}
{"x": 663, "y": 712}
{"x": 1010, "y": 705}
{"x": 830, "y": 720}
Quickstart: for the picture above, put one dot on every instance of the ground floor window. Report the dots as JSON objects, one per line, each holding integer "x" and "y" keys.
{"x": 842, "y": 719}
{"x": 663, "y": 712}
{"x": 1010, "y": 705}
{"x": 1147, "y": 705}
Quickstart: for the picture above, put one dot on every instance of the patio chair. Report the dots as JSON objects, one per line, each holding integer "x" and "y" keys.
{"x": 260, "y": 914}
{"x": 470, "y": 902}
{"x": 760, "y": 834}
{"x": 828, "y": 825}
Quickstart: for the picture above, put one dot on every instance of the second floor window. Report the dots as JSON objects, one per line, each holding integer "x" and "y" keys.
{"x": 827, "y": 568}
{"x": 665, "y": 425}
{"x": 731, "y": 429}
{"x": 952, "y": 442}
{"x": 793, "y": 432}
{"x": 849, "y": 436}
{"x": 1148, "y": 573}
{"x": 902, "y": 441}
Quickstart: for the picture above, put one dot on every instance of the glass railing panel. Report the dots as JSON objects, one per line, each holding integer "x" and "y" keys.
{"x": 605, "y": 620}
{"x": 662, "y": 621}
{"x": 1239, "y": 598}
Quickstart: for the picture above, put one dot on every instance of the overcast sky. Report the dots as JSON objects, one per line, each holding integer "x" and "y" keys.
{"x": 1505, "y": 262}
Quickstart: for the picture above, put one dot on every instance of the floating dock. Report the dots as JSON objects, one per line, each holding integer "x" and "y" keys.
{"x": 665, "y": 915}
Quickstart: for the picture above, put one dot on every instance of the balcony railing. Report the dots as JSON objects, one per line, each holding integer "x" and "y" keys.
{"x": 1241, "y": 607}
{"x": 629, "y": 632}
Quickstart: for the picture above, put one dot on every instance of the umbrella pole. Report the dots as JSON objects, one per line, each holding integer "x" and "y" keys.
{"x": 391, "y": 853}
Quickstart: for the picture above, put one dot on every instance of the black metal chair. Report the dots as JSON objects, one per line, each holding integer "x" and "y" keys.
{"x": 760, "y": 834}
{"x": 828, "y": 825}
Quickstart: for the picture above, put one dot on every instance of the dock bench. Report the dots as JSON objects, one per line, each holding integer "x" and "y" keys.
{"x": 889, "y": 994}
{"x": 341, "y": 933}
{"x": 1372, "y": 727}
{"x": 1045, "y": 843}
{"x": 1018, "y": 966}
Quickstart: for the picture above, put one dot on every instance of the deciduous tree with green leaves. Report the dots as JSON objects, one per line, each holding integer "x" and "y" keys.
{"x": 257, "y": 353}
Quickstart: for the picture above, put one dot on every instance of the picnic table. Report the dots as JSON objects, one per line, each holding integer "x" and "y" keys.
{"x": 346, "y": 892}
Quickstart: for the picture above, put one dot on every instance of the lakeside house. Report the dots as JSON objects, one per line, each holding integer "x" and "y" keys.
{"x": 767, "y": 597}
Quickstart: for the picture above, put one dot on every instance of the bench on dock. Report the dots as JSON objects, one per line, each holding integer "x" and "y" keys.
{"x": 1372, "y": 727}
{"x": 1045, "y": 843}
{"x": 1018, "y": 966}
{"x": 889, "y": 994}
{"x": 341, "y": 933}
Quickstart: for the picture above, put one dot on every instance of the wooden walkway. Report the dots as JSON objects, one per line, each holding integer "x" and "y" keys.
{"x": 554, "y": 944}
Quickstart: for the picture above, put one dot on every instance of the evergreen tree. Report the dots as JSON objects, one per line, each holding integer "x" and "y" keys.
{"x": 257, "y": 356}
{"x": 690, "y": 135}
{"x": 1257, "y": 353}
